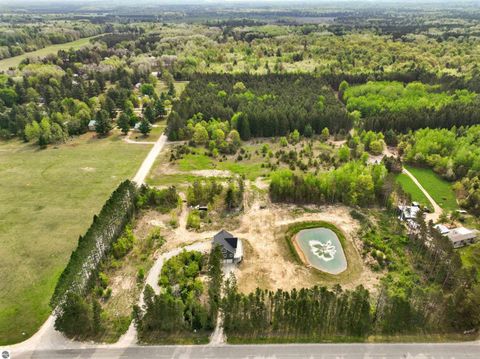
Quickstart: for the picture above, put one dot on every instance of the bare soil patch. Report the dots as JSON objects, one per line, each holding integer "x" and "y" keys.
{"x": 269, "y": 263}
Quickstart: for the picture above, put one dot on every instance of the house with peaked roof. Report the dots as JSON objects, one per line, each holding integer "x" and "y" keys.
{"x": 232, "y": 247}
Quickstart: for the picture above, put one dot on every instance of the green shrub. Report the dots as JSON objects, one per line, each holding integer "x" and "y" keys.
{"x": 124, "y": 244}
{"x": 193, "y": 220}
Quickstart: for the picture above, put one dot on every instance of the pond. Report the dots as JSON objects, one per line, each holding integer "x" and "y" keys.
{"x": 321, "y": 248}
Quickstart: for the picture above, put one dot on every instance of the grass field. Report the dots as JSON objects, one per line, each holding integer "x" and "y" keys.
{"x": 440, "y": 190}
{"x": 411, "y": 188}
{"x": 48, "y": 199}
{"x": 5, "y": 64}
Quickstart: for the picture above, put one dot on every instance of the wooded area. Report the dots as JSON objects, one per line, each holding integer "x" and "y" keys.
{"x": 261, "y": 106}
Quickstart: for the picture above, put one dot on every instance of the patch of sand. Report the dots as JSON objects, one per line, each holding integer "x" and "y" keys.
{"x": 212, "y": 173}
{"x": 268, "y": 263}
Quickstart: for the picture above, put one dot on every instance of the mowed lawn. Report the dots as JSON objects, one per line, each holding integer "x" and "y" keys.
{"x": 5, "y": 64}
{"x": 48, "y": 198}
{"x": 440, "y": 189}
{"x": 411, "y": 188}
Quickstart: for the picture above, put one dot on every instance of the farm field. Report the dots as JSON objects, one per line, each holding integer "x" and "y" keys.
{"x": 410, "y": 187}
{"x": 14, "y": 61}
{"x": 48, "y": 199}
{"x": 440, "y": 190}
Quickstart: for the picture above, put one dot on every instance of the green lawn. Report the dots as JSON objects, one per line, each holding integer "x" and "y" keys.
{"x": 411, "y": 188}
{"x": 5, "y": 64}
{"x": 48, "y": 199}
{"x": 440, "y": 190}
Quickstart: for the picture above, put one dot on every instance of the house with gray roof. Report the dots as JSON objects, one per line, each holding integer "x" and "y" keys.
{"x": 232, "y": 247}
{"x": 462, "y": 236}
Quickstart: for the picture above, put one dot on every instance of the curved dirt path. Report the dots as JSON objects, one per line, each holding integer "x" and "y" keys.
{"x": 437, "y": 210}
{"x": 130, "y": 337}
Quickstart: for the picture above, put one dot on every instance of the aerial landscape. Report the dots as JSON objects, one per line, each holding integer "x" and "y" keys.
{"x": 203, "y": 179}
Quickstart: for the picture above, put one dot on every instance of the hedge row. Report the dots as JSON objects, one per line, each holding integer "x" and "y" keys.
{"x": 96, "y": 243}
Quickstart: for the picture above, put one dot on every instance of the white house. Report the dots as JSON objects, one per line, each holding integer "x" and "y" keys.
{"x": 232, "y": 247}
{"x": 462, "y": 236}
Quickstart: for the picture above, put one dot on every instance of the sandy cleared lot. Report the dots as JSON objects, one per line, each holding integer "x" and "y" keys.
{"x": 268, "y": 261}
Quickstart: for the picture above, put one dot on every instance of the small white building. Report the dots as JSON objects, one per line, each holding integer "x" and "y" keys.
{"x": 462, "y": 236}
{"x": 444, "y": 230}
{"x": 92, "y": 125}
{"x": 409, "y": 212}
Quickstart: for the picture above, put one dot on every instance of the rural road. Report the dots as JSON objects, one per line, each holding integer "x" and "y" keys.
{"x": 149, "y": 160}
{"x": 281, "y": 351}
{"x": 437, "y": 210}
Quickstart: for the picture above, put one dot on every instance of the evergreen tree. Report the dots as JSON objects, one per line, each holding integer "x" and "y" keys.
{"x": 145, "y": 127}
{"x": 75, "y": 318}
{"x": 171, "y": 90}
{"x": 123, "y": 123}
{"x": 103, "y": 123}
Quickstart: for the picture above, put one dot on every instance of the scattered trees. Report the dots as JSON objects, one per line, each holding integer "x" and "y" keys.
{"x": 178, "y": 309}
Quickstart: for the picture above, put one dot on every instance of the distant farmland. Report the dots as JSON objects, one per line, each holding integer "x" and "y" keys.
{"x": 6, "y": 64}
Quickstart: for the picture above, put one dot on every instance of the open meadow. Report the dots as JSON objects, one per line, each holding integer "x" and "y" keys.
{"x": 411, "y": 188}
{"x": 440, "y": 190}
{"x": 48, "y": 199}
{"x": 14, "y": 61}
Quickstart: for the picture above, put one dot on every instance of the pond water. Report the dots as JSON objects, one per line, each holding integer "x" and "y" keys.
{"x": 322, "y": 249}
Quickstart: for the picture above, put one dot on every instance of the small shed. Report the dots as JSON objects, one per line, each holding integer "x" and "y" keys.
{"x": 232, "y": 247}
{"x": 92, "y": 125}
{"x": 444, "y": 230}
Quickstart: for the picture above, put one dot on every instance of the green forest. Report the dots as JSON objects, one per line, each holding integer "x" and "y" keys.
{"x": 402, "y": 107}
{"x": 261, "y": 106}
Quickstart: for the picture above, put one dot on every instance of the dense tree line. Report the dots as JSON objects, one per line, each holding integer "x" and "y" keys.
{"x": 82, "y": 285}
{"x": 393, "y": 105}
{"x": 353, "y": 184}
{"x": 17, "y": 40}
{"x": 260, "y": 106}
{"x": 307, "y": 314}
{"x": 96, "y": 243}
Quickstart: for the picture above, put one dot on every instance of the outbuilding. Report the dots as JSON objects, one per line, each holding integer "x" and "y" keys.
{"x": 92, "y": 125}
